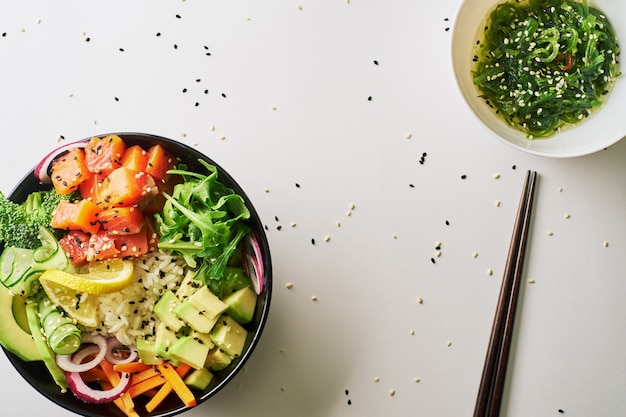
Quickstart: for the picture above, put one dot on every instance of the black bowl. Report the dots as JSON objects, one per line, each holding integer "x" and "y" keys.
{"x": 36, "y": 374}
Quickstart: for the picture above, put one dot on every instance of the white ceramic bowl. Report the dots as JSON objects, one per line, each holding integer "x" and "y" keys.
{"x": 601, "y": 130}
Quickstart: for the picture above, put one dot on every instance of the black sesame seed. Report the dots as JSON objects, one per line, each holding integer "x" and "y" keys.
{"x": 447, "y": 29}
{"x": 175, "y": 46}
{"x": 197, "y": 104}
{"x": 184, "y": 90}
{"x": 447, "y": 223}
{"x": 279, "y": 227}
{"x": 158, "y": 34}
{"x": 463, "y": 176}
{"x": 411, "y": 185}
{"x": 369, "y": 98}
{"x": 121, "y": 49}
{"x": 561, "y": 411}
{"x": 349, "y": 402}
{"x": 313, "y": 241}
{"x": 223, "y": 95}
{"x": 4, "y": 34}
{"x": 375, "y": 62}
{"x": 514, "y": 167}
{"x": 178, "y": 16}
{"x": 116, "y": 98}
{"x": 297, "y": 185}
{"x": 432, "y": 260}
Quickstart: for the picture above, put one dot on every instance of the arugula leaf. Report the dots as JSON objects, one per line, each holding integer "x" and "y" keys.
{"x": 203, "y": 221}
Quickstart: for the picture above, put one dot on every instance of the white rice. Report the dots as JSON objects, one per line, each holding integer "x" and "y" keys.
{"x": 128, "y": 314}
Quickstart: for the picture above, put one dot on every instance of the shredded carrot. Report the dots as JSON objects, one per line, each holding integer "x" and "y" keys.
{"x": 131, "y": 367}
{"x": 175, "y": 383}
{"x": 143, "y": 375}
{"x": 145, "y": 386}
{"x": 125, "y": 402}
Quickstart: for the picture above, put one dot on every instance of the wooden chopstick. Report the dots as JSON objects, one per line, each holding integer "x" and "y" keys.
{"x": 491, "y": 387}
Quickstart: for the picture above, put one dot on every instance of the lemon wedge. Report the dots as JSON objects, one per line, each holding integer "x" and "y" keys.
{"x": 77, "y": 293}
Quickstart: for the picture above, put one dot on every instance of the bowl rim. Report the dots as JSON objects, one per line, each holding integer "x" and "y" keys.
{"x": 67, "y": 400}
{"x": 486, "y": 118}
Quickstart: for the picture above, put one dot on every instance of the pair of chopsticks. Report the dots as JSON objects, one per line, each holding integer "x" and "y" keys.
{"x": 491, "y": 387}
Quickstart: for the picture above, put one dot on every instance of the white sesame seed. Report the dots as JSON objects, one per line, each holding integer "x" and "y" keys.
{"x": 497, "y": 203}
{"x": 408, "y": 135}
{"x": 475, "y": 255}
{"x": 567, "y": 215}
{"x": 289, "y": 285}
{"x": 549, "y": 233}
{"x": 490, "y": 272}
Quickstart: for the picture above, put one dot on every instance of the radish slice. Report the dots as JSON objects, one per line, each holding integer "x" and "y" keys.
{"x": 84, "y": 392}
{"x": 118, "y": 353}
{"x": 44, "y": 168}
{"x": 72, "y": 363}
{"x": 254, "y": 263}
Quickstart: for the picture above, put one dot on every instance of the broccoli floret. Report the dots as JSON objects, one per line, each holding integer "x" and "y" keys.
{"x": 19, "y": 223}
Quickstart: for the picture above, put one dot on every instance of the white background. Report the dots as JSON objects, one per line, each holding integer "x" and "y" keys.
{"x": 296, "y": 76}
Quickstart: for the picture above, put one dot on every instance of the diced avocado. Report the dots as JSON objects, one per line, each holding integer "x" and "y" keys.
{"x": 164, "y": 309}
{"x": 165, "y": 338}
{"x": 229, "y": 336}
{"x": 190, "y": 350}
{"x": 203, "y": 337}
{"x": 241, "y": 305}
{"x": 195, "y": 318}
{"x": 217, "y": 359}
{"x": 207, "y": 302}
{"x": 188, "y": 286}
{"x": 147, "y": 352}
{"x": 12, "y": 336}
{"x": 199, "y": 379}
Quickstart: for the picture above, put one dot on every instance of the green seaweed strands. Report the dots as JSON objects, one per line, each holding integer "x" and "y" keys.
{"x": 62, "y": 334}
{"x": 544, "y": 64}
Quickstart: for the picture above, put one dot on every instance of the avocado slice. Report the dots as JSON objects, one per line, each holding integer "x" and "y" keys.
{"x": 12, "y": 337}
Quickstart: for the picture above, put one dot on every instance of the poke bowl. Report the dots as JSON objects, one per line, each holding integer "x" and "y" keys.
{"x": 546, "y": 76}
{"x": 134, "y": 313}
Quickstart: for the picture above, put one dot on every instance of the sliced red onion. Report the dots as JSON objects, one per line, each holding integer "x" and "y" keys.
{"x": 69, "y": 364}
{"x": 84, "y": 392}
{"x": 254, "y": 263}
{"x": 113, "y": 353}
{"x": 43, "y": 169}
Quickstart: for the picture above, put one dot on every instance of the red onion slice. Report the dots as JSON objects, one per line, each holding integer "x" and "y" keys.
{"x": 113, "y": 353}
{"x": 254, "y": 263}
{"x": 68, "y": 364}
{"x": 90, "y": 395}
{"x": 43, "y": 169}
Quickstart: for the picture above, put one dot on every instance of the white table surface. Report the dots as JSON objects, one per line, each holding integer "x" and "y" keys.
{"x": 296, "y": 76}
